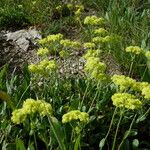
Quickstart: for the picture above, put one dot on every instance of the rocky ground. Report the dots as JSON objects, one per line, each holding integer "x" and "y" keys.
{"x": 19, "y": 47}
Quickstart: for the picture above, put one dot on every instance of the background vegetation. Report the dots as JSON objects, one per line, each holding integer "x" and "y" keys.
{"x": 108, "y": 127}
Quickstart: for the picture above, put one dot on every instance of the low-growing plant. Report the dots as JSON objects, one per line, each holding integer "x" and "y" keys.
{"x": 49, "y": 108}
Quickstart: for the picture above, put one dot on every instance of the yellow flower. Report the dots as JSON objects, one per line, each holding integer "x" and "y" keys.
{"x": 78, "y": 12}
{"x": 69, "y": 43}
{"x": 93, "y": 20}
{"x": 147, "y": 54}
{"x": 146, "y": 91}
{"x": 123, "y": 82}
{"x": 31, "y": 106}
{"x": 33, "y": 68}
{"x": 51, "y": 38}
{"x": 98, "y": 39}
{"x": 42, "y": 41}
{"x": 51, "y": 65}
{"x": 59, "y": 8}
{"x": 126, "y": 100}
{"x": 95, "y": 68}
{"x": 91, "y": 53}
{"x": 94, "y": 63}
{"x": 81, "y": 7}
{"x": 54, "y": 37}
{"x": 100, "y": 31}
{"x": 134, "y": 49}
{"x": 43, "y": 67}
{"x": 75, "y": 115}
{"x": 139, "y": 86}
{"x": 63, "y": 54}
{"x": 18, "y": 116}
{"x": 42, "y": 51}
{"x": 89, "y": 45}
{"x": 108, "y": 39}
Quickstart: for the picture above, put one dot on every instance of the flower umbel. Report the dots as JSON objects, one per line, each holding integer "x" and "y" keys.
{"x": 126, "y": 100}
{"x": 75, "y": 115}
{"x": 43, "y": 67}
{"x": 31, "y": 106}
{"x": 42, "y": 51}
{"x": 123, "y": 82}
{"x": 95, "y": 68}
{"x": 134, "y": 49}
{"x": 93, "y": 20}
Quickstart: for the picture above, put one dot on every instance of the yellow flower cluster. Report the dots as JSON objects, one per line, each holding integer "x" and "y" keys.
{"x": 75, "y": 115}
{"x": 126, "y": 100}
{"x": 100, "y": 31}
{"x": 63, "y": 53}
{"x": 51, "y": 38}
{"x": 123, "y": 82}
{"x": 126, "y": 82}
{"x": 59, "y": 8}
{"x": 93, "y": 20}
{"x": 89, "y": 45}
{"x": 79, "y": 10}
{"x": 42, "y": 51}
{"x": 139, "y": 86}
{"x": 43, "y": 67}
{"x": 95, "y": 68}
{"x": 92, "y": 53}
{"x": 147, "y": 54}
{"x": 146, "y": 91}
{"x": 134, "y": 49}
{"x": 69, "y": 43}
{"x": 106, "y": 39}
{"x": 31, "y": 106}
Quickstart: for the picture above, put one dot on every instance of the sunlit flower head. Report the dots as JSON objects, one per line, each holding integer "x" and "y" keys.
{"x": 93, "y": 20}
{"x": 134, "y": 49}
{"x": 75, "y": 115}
{"x": 126, "y": 100}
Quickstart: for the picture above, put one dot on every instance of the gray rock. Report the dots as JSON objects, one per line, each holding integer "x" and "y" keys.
{"x": 18, "y": 47}
{"x": 22, "y": 38}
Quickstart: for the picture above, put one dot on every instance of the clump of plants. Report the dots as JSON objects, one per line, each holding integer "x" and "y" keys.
{"x": 13, "y": 17}
{"x": 96, "y": 110}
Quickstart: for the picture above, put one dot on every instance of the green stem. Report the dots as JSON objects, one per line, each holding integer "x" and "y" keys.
{"x": 126, "y": 135}
{"x": 85, "y": 94}
{"x": 23, "y": 95}
{"x": 114, "y": 142}
{"x": 144, "y": 114}
{"x": 131, "y": 66}
{"x": 80, "y": 23}
{"x": 111, "y": 123}
{"x": 62, "y": 147}
{"x": 98, "y": 85}
{"x": 72, "y": 135}
{"x": 144, "y": 74}
{"x": 35, "y": 141}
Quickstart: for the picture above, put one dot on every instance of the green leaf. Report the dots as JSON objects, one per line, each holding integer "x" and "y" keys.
{"x": 77, "y": 143}
{"x": 3, "y": 72}
{"x": 125, "y": 145}
{"x": 31, "y": 147}
{"x": 130, "y": 133}
{"x": 102, "y": 143}
{"x": 58, "y": 132}
{"x": 135, "y": 144}
{"x": 20, "y": 144}
{"x": 74, "y": 104}
{"x": 140, "y": 119}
